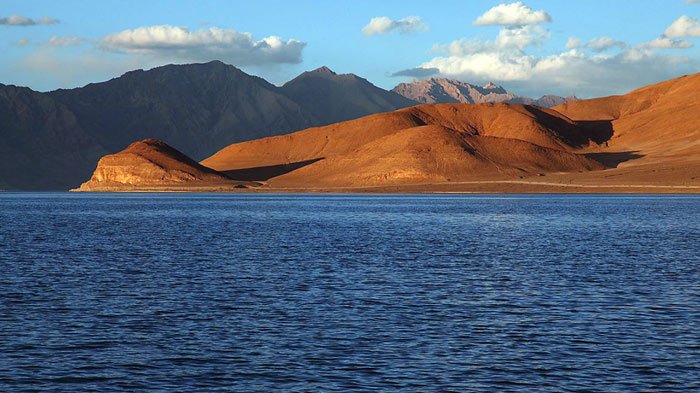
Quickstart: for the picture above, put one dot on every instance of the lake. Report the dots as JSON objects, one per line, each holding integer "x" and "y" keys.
{"x": 250, "y": 292}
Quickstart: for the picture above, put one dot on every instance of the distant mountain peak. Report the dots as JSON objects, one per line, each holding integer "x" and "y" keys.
{"x": 332, "y": 97}
{"x": 177, "y": 70}
{"x": 441, "y": 90}
{"x": 323, "y": 70}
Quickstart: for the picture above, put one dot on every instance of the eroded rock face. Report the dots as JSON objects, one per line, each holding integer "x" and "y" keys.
{"x": 152, "y": 164}
{"x": 134, "y": 169}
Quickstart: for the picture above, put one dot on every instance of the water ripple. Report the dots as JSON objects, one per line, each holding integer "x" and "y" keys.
{"x": 349, "y": 293}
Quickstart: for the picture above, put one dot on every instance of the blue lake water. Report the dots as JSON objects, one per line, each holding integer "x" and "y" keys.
{"x": 213, "y": 292}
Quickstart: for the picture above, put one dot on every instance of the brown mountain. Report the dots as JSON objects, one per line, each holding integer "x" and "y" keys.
{"x": 423, "y": 144}
{"x": 153, "y": 165}
{"x": 655, "y": 131}
{"x": 53, "y": 140}
{"x": 440, "y": 90}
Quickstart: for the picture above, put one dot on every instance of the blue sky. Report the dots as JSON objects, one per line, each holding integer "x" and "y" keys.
{"x": 583, "y": 47}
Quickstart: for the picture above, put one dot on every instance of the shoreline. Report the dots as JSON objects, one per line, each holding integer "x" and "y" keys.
{"x": 470, "y": 187}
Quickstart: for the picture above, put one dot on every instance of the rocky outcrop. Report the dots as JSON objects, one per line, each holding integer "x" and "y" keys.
{"x": 153, "y": 165}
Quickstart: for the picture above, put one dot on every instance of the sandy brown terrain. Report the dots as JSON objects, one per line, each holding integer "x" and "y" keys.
{"x": 423, "y": 144}
{"x": 151, "y": 165}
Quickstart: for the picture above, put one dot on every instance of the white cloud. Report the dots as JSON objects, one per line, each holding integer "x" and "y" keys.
{"x": 383, "y": 24}
{"x": 683, "y": 27}
{"x": 66, "y": 41}
{"x": 513, "y": 14}
{"x": 180, "y": 43}
{"x": 51, "y": 67}
{"x": 16, "y": 20}
{"x": 462, "y": 47}
{"x": 491, "y": 65}
{"x": 692, "y": 1}
{"x": 22, "y": 41}
{"x": 573, "y": 43}
{"x": 521, "y": 37}
{"x": 668, "y": 43}
{"x": 600, "y": 44}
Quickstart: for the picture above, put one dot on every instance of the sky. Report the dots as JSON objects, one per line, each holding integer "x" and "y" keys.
{"x": 587, "y": 48}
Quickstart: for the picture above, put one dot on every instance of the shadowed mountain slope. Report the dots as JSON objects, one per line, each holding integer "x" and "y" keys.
{"x": 197, "y": 108}
{"x": 660, "y": 122}
{"x": 42, "y": 145}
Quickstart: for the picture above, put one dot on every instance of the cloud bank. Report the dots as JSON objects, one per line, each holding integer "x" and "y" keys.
{"x": 16, "y": 20}
{"x": 418, "y": 72}
{"x": 383, "y": 24}
{"x": 71, "y": 61}
{"x": 599, "y": 66}
{"x": 600, "y": 44}
{"x": 66, "y": 41}
{"x": 513, "y": 14}
{"x": 181, "y": 43}
{"x": 683, "y": 27}
{"x": 668, "y": 43}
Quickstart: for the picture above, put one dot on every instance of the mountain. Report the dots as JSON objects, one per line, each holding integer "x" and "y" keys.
{"x": 53, "y": 140}
{"x": 438, "y": 91}
{"x": 546, "y": 101}
{"x": 198, "y": 108}
{"x": 658, "y": 126}
{"x": 42, "y": 144}
{"x": 153, "y": 165}
{"x": 644, "y": 141}
{"x": 331, "y": 97}
{"x": 422, "y": 144}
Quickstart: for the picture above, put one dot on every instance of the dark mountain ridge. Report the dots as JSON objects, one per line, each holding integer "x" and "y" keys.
{"x": 196, "y": 107}
{"x": 331, "y": 97}
{"x": 42, "y": 144}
